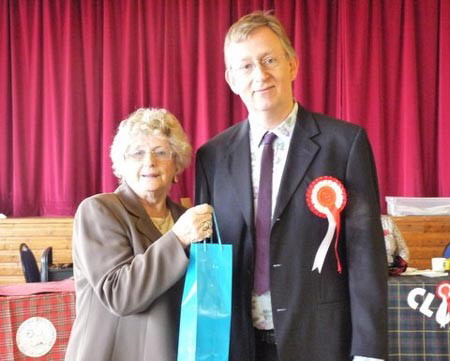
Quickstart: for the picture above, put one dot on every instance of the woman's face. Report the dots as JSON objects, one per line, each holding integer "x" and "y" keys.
{"x": 149, "y": 167}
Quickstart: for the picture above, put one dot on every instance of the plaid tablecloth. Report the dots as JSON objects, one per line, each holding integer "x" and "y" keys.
{"x": 412, "y": 335}
{"x": 58, "y": 307}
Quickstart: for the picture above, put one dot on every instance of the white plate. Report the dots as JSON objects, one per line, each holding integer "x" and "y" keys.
{"x": 410, "y": 271}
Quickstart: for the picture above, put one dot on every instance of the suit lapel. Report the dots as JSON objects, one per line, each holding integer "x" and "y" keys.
{"x": 301, "y": 154}
{"x": 302, "y": 151}
{"x": 131, "y": 202}
{"x": 238, "y": 168}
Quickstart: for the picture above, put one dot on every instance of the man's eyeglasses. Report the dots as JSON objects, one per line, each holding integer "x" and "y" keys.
{"x": 266, "y": 63}
{"x": 160, "y": 154}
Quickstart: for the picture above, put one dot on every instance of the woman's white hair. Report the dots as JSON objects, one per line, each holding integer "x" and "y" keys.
{"x": 150, "y": 121}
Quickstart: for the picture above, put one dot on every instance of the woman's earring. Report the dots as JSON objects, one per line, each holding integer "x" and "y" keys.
{"x": 175, "y": 179}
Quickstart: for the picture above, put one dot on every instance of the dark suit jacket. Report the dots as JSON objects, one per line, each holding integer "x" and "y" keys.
{"x": 317, "y": 317}
{"x": 129, "y": 282}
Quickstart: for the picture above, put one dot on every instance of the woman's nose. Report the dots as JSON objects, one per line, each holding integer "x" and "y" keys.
{"x": 149, "y": 158}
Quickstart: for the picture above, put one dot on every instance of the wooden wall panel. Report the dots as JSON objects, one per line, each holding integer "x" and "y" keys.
{"x": 38, "y": 234}
{"x": 426, "y": 237}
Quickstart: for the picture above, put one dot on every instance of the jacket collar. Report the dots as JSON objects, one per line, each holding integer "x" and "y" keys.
{"x": 133, "y": 205}
{"x": 239, "y": 170}
{"x": 301, "y": 153}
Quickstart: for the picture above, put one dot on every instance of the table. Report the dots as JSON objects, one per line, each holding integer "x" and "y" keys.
{"x": 413, "y": 336}
{"x": 414, "y": 332}
{"x": 24, "y": 301}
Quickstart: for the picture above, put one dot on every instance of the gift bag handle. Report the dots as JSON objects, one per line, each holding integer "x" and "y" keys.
{"x": 216, "y": 228}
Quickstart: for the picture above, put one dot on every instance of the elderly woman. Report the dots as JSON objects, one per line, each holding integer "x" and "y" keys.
{"x": 130, "y": 247}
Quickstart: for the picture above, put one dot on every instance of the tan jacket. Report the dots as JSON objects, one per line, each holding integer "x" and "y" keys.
{"x": 128, "y": 279}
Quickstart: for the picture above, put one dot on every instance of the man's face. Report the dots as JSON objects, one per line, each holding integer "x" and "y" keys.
{"x": 261, "y": 73}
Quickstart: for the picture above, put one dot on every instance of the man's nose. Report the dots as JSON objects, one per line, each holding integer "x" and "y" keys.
{"x": 259, "y": 71}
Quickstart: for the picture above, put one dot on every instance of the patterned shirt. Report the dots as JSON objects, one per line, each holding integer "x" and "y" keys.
{"x": 261, "y": 304}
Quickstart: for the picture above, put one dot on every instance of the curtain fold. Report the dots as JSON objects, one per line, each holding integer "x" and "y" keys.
{"x": 70, "y": 71}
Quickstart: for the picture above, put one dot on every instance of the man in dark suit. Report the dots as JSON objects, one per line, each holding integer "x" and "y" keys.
{"x": 319, "y": 305}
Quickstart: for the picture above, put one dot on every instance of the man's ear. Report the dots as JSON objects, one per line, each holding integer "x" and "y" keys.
{"x": 231, "y": 80}
{"x": 294, "y": 64}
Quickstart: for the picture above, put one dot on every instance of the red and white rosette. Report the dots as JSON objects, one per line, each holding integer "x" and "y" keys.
{"x": 326, "y": 197}
{"x": 443, "y": 312}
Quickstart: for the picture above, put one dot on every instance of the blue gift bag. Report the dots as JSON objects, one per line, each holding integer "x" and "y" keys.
{"x": 206, "y": 306}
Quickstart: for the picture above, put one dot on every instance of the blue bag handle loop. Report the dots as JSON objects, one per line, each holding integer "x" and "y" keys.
{"x": 216, "y": 228}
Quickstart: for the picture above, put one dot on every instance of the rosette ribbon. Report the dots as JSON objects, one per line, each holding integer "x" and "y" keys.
{"x": 443, "y": 312}
{"x": 326, "y": 197}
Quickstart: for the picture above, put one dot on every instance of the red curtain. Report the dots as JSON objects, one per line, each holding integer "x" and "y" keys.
{"x": 70, "y": 71}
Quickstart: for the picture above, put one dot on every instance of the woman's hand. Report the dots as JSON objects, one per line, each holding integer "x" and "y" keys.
{"x": 194, "y": 225}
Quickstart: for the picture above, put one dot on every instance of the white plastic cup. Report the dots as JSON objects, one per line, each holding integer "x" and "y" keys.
{"x": 438, "y": 264}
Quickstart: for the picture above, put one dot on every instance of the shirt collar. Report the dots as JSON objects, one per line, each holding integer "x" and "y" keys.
{"x": 283, "y": 131}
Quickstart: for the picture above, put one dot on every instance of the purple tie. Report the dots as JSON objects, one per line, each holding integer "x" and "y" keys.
{"x": 264, "y": 217}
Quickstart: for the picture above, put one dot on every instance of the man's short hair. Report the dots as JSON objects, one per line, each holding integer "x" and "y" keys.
{"x": 242, "y": 28}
